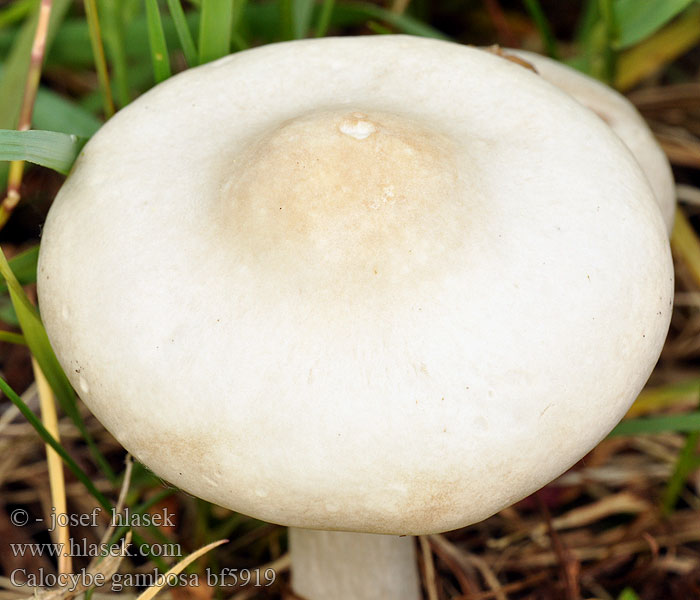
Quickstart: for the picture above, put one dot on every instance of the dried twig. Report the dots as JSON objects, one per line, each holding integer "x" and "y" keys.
{"x": 570, "y": 567}
{"x": 25, "y": 116}
{"x": 429, "y": 568}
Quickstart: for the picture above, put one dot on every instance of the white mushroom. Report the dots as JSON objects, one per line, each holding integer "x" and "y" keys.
{"x": 383, "y": 285}
{"x": 624, "y": 119}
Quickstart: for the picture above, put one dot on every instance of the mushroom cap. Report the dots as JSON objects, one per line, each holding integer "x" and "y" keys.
{"x": 623, "y": 118}
{"x": 381, "y": 284}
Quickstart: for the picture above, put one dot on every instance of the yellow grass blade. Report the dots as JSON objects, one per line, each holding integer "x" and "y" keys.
{"x": 674, "y": 395}
{"x": 646, "y": 58}
{"x": 179, "y": 567}
{"x": 686, "y": 245}
{"x": 57, "y": 482}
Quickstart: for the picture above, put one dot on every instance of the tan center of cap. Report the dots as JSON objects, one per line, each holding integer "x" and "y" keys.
{"x": 346, "y": 195}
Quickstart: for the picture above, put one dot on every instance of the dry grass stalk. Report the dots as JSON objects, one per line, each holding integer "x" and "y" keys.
{"x": 25, "y": 118}
{"x": 54, "y": 464}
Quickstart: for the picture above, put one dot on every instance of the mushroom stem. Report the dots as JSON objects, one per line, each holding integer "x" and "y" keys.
{"x": 353, "y": 566}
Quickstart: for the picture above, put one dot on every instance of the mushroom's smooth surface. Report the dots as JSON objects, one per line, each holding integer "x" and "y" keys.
{"x": 624, "y": 119}
{"x": 382, "y": 284}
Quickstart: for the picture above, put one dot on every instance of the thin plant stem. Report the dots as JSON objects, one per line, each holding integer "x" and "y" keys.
{"x": 98, "y": 52}
{"x": 25, "y": 116}
{"x": 543, "y": 26}
{"x": 688, "y": 460}
{"x": 156, "y": 40}
{"x": 429, "y": 567}
{"x": 286, "y": 20}
{"x": 183, "y": 33}
{"x": 609, "y": 65}
{"x": 324, "y": 19}
{"x": 113, "y": 34}
{"x": 12, "y": 338}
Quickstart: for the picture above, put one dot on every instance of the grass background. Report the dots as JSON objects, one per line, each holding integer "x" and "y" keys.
{"x": 623, "y": 524}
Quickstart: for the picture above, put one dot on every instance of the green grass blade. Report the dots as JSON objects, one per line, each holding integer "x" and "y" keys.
{"x": 687, "y": 462}
{"x": 7, "y": 312}
{"x": 638, "y": 19}
{"x": 16, "y": 12}
{"x": 39, "y": 345}
{"x": 56, "y": 113}
{"x": 24, "y": 267}
{"x": 183, "y": 32}
{"x": 37, "y": 339}
{"x": 543, "y": 26}
{"x": 302, "y": 11}
{"x": 263, "y": 21}
{"x": 324, "y": 17}
{"x": 403, "y": 23}
{"x": 608, "y": 42}
{"x": 12, "y": 338}
{"x": 688, "y": 422}
{"x": 588, "y": 18}
{"x": 113, "y": 33}
{"x": 215, "y": 25}
{"x": 156, "y": 39}
{"x": 239, "y": 8}
{"x": 51, "y": 149}
{"x": 51, "y": 441}
{"x": 379, "y": 28}
{"x": 597, "y": 38}
{"x": 239, "y": 41}
{"x": 239, "y": 25}
{"x": 286, "y": 19}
